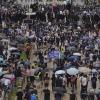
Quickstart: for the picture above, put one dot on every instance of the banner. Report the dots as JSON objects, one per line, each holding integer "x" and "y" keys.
{"x": 54, "y": 54}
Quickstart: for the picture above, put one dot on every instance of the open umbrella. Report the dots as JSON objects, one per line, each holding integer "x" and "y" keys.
{"x": 15, "y": 53}
{"x": 69, "y": 66}
{"x": 97, "y": 91}
{"x": 97, "y": 64}
{"x": 85, "y": 38}
{"x": 94, "y": 71}
{"x": 72, "y": 71}
{"x": 12, "y": 48}
{"x": 84, "y": 70}
{"x": 71, "y": 48}
{"x": 72, "y": 58}
{"x": 59, "y": 72}
{"x": 32, "y": 36}
{"x": 77, "y": 54}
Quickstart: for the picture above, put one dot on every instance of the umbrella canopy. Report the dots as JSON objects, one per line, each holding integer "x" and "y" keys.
{"x": 72, "y": 71}
{"x": 94, "y": 71}
{"x": 97, "y": 64}
{"x": 84, "y": 70}
{"x": 89, "y": 47}
{"x": 77, "y": 54}
{"x": 85, "y": 38}
{"x": 15, "y": 53}
{"x": 97, "y": 91}
{"x": 72, "y": 58}
{"x": 59, "y": 72}
{"x": 12, "y": 48}
{"x": 32, "y": 36}
{"x": 69, "y": 66}
{"x": 71, "y": 48}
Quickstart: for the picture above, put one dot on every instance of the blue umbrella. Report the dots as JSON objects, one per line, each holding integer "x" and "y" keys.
{"x": 73, "y": 58}
{"x": 85, "y": 38}
{"x": 69, "y": 66}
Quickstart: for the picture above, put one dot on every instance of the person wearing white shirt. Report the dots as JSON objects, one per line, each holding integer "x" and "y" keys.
{"x": 32, "y": 78}
{"x": 7, "y": 82}
{"x": 84, "y": 83}
{"x": 91, "y": 57}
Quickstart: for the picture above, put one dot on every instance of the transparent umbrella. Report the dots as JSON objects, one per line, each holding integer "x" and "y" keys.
{"x": 72, "y": 71}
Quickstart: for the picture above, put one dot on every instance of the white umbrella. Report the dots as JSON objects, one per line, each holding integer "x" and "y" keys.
{"x": 84, "y": 70}
{"x": 72, "y": 71}
{"x": 94, "y": 71}
{"x": 59, "y": 72}
{"x": 77, "y": 54}
{"x": 32, "y": 36}
{"x": 97, "y": 91}
{"x": 12, "y": 48}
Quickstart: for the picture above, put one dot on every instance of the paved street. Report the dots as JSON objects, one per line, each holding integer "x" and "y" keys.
{"x": 50, "y": 66}
{"x": 49, "y": 44}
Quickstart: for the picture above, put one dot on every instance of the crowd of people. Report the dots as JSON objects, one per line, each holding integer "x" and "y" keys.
{"x": 66, "y": 35}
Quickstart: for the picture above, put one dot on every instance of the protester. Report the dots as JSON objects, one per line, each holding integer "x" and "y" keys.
{"x": 19, "y": 95}
{"x": 46, "y": 80}
{"x": 32, "y": 78}
{"x": 46, "y": 93}
{"x": 58, "y": 96}
{"x": 91, "y": 95}
{"x": 73, "y": 95}
{"x": 56, "y": 35}
{"x": 84, "y": 83}
{"x": 94, "y": 82}
{"x": 74, "y": 82}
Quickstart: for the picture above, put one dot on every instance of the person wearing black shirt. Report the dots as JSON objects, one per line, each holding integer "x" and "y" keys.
{"x": 46, "y": 94}
{"x": 98, "y": 96}
{"x": 19, "y": 95}
{"x": 91, "y": 96}
{"x": 94, "y": 81}
{"x": 73, "y": 96}
{"x": 58, "y": 96}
